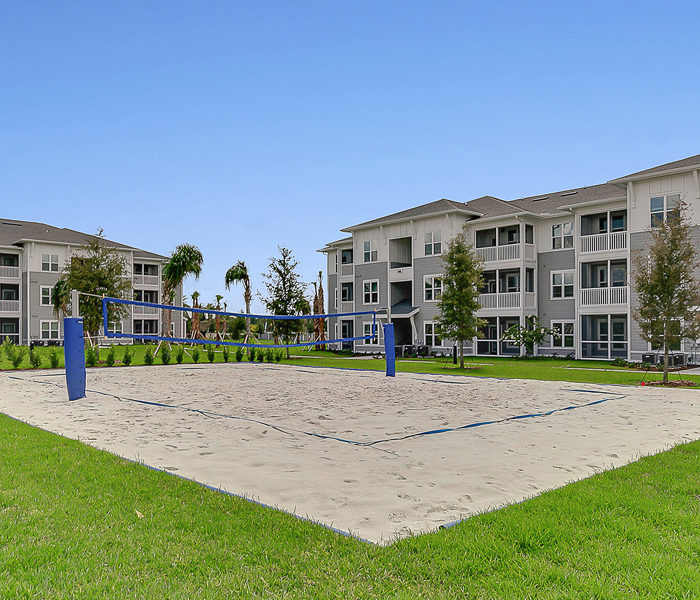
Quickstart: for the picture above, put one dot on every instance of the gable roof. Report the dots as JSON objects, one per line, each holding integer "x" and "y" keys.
{"x": 684, "y": 163}
{"x": 439, "y": 206}
{"x": 490, "y": 206}
{"x": 15, "y": 233}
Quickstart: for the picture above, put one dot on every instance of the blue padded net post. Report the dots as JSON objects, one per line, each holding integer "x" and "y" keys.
{"x": 389, "y": 350}
{"x": 74, "y": 356}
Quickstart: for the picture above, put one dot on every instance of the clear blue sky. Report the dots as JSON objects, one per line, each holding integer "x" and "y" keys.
{"x": 240, "y": 126}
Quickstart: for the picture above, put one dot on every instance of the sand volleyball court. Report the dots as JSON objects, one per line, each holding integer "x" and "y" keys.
{"x": 275, "y": 451}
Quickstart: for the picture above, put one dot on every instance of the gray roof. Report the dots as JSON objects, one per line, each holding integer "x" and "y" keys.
{"x": 689, "y": 163}
{"x": 14, "y": 233}
{"x": 490, "y": 206}
{"x": 424, "y": 210}
{"x": 403, "y": 309}
{"x": 555, "y": 201}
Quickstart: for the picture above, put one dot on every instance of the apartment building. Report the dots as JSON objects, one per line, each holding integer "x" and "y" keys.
{"x": 562, "y": 256}
{"x": 32, "y": 257}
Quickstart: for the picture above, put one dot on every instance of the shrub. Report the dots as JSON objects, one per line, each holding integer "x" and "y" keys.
{"x": 53, "y": 358}
{"x": 195, "y": 356}
{"x": 165, "y": 354}
{"x": 9, "y": 348}
{"x": 111, "y": 357}
{"x": 148, "y": 357}
{"x": 269, "y": 355}
{"x": 225, "y": 354}
{"x": 17, "y": 357}
{"x": 251, "y": 354}
{"x": 34, "y": 359}
{"x": 211, "y": 354}
{"x": 128, "y": 356}
{"x": 279, "y": 355}
{"x": 239, "y": 354}
{"x": 180, "y": 355}
{"x": 90, "y": 357}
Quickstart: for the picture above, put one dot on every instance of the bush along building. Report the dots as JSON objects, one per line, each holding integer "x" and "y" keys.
{"x": 563, "y": 256}
{"x": 32, "y": 257}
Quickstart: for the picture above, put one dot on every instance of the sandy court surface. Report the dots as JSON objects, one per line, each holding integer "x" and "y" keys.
{"x": 378, "y": 492}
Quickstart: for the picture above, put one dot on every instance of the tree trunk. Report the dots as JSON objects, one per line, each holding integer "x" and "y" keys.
{"x": 665, "y": 363}
{"x": 461, "y": 353}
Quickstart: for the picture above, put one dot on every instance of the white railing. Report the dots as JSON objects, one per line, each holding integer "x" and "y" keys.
{"x": 505, "y": 300}
{"x": 9, "y": 305}
{"x": 145, "y": 310}
{"x": 345, "y": 270}
{"x": 146, "y": 279}
{"x": 496, "y": 253}
{"x": 601, "y": 242}
{"x": 604, "y": 296}
{"x": 529, "y": 251}
{"x": 12, "y": 272}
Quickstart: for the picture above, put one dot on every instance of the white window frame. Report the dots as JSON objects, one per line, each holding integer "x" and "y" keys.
{"x": 665, "y": 211}
{"x": 433, "y": 336}
{"x": 432, "y": 243}
{"x": 561, "y": 237}
{"x": 352, "y": 290}
{"x": 370, "y": 292}
{"x": 50, "y": 330}
{"x": 563, "y": 285}
{"x": 41, "y": 295}
{"x": 115, "y": 327}
{"x": 563, "y": 336}
{"x": 367, "y": 330}
{"x": 50, "y": 264}
{"x": 435, "y": 292}
{"x": 369, "y": 251}
{"x": 336, "y": 298}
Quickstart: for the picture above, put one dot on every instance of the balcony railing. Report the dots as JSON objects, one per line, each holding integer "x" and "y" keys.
{"x": 402, "y": 274}
{"x": 504, "y": 300}
{"x": 9, "y": 305}
{"x": 145, "y": 310}
{"x": 497, "y": 253}
{"x": 602, "y": 242}
{"x": 146, "y": 279}
{"x": 12, "y": 272}
{"x": 13, "y": 337}
{"x": 604, "y": 296}
{"x": 345, "y": 270}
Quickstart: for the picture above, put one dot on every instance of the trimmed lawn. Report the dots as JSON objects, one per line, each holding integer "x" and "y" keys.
{"x": 76, "y": 522}
{"x": 548, "y": 369}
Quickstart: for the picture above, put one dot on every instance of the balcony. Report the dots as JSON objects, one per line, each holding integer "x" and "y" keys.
{"x": 504, "y": 300}
{"x": 401, "y": 274}
{"x": 147, "y": 280}
{"x": 606, "y": 296}
{"x": 499, "y": 253}
{"x": 9, "y": 306}
{"x": 145, "y": 310}
{"x": 9, "y": 272}
{"x": 346, "y": 270}
{"x": 604, "y": 242}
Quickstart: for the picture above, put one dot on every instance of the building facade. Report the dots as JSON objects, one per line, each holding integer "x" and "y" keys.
{"x": 32, "y": 258}
{"x": 563, "y": 256}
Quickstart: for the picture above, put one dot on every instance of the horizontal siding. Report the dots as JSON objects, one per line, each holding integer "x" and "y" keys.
{"x": 552, "y": 310}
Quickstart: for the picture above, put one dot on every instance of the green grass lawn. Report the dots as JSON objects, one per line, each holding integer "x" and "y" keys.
{"x": 540, "y": 368}
{"x": 69, "y": 528}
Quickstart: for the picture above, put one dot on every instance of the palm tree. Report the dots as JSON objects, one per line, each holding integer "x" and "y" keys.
{"x": 217, "y": 319}
{"x": 238, "y": 273}
{"x": 195, "y": 315}
{"x": 60, "y": 297}
{"x": 185, "y": 260}
{"x": 319, "y": 309}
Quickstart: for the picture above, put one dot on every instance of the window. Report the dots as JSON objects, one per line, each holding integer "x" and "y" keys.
{"x": 563, "y": 336}
{"x": 562, "y": 236}
{"x": 49, "y": 262}
{"x": 663, "y": 206}
{"x": 432, "y": 334}
{"x": 346, "y": 256}
{"x": 371, "y": 291}
{"x": 433, "y": 243}
{"x": 562, "y": 284}
{"x": 370, "y": 252}
{"x": 114, "y": 327}
{"x": 346, "y": 292}
{"x": 367, "y": 332}
{"x": 45, "y": 295}
{"x": 432, "y": 288}
{"x": 529, "y": 234}
{"x": 529, "y": 280}
{"x": 618, "y": 275}
{"x": 336, "y": 299}
{"x": 49, "y": 330}
{"x": 145, "y": 326}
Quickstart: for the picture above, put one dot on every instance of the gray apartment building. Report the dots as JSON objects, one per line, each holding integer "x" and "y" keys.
{"x": 562, "y": 256}
{"x": 32, "y": 257}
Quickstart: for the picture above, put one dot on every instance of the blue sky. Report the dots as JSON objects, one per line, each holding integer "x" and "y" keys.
{"x": 240, "y": 126}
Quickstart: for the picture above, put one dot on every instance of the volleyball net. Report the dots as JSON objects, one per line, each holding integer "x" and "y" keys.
{"x": 152, "y": 311}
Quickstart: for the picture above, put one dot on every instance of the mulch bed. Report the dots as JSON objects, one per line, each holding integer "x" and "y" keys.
{"x": 675, "y": 383}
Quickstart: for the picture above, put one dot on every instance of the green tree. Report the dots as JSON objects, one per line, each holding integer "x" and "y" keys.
{"x": 185, "y": 260}
{"x": 285, "y": 293}
{"x": 459, "y": 302}
{"x": 238, "y": 273}
{"x": 526, "y": 336}
{"x": 99, "y": 270}
{"x": 667, "y": 291}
